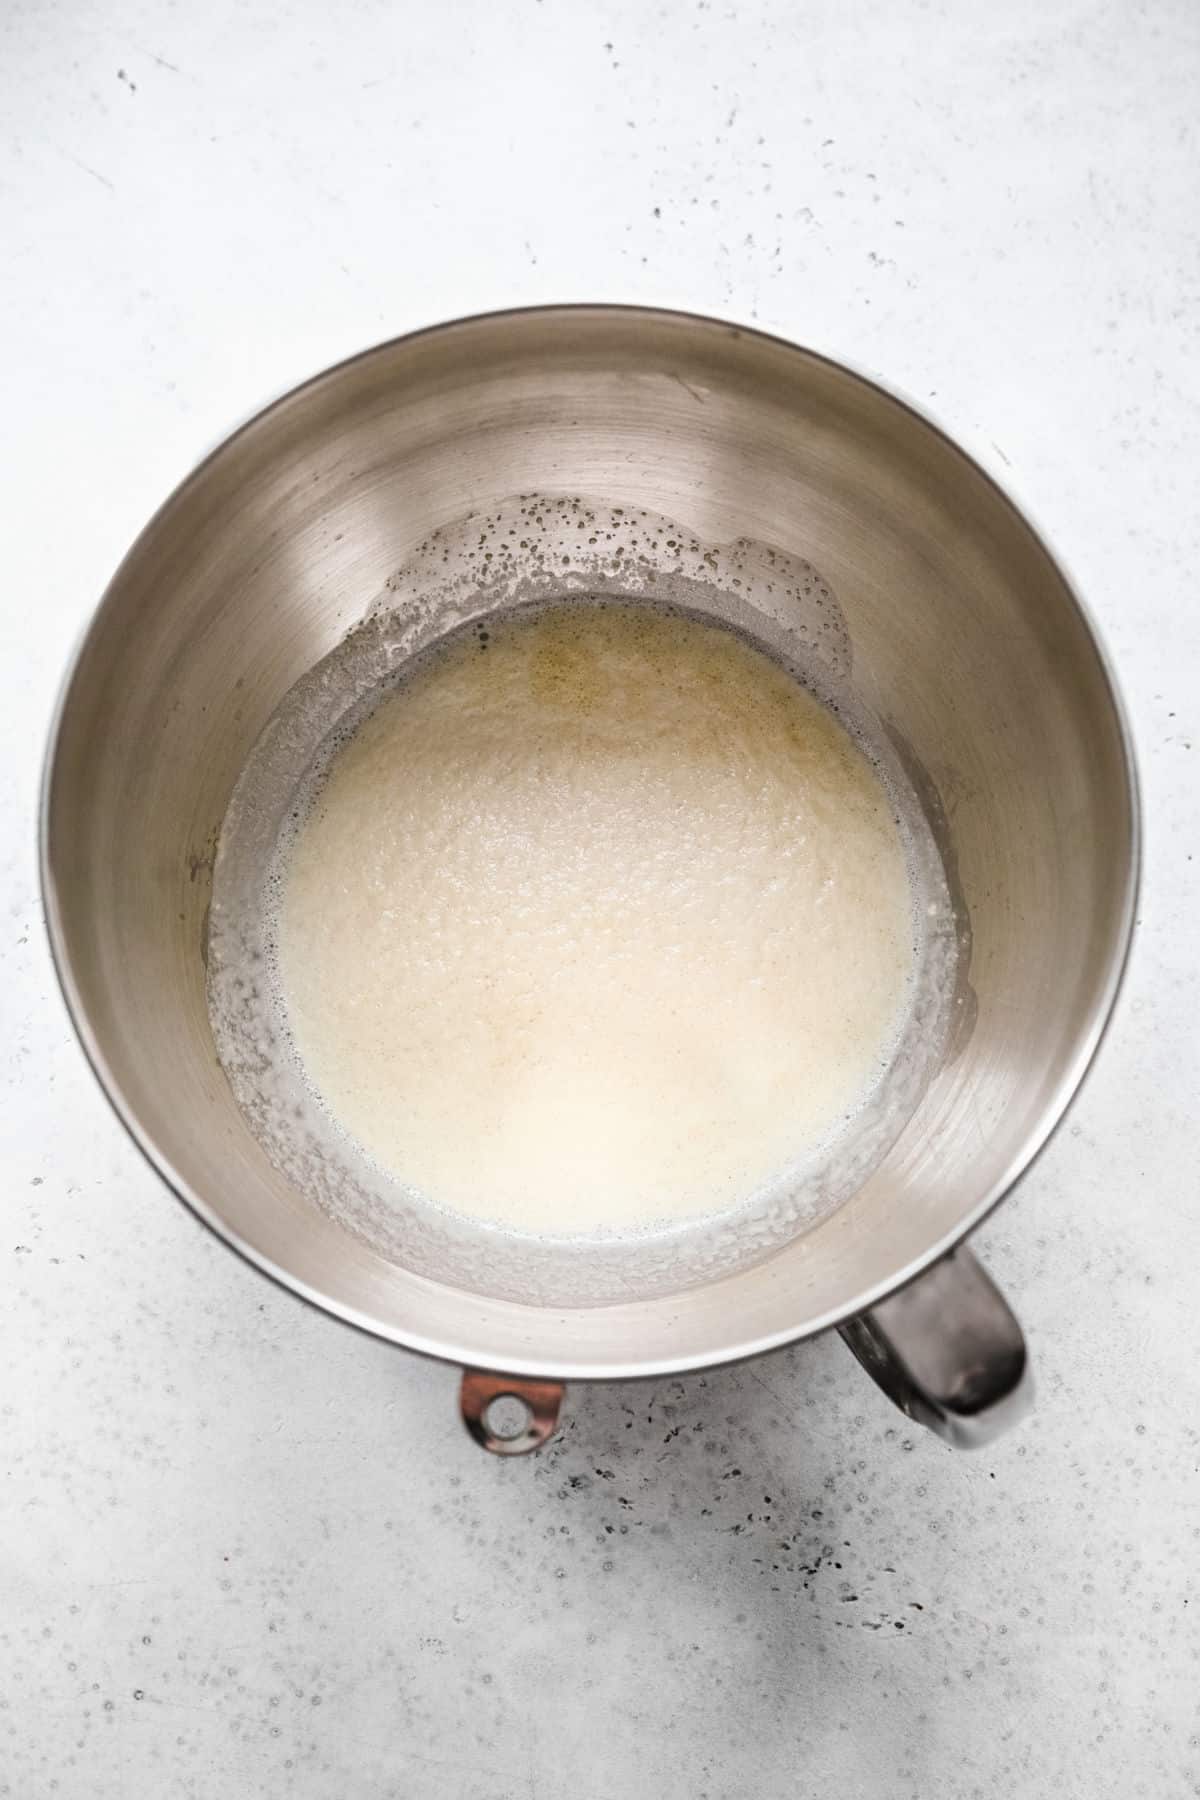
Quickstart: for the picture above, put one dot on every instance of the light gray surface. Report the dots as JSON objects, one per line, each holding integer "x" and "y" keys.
{"x": 248, "y": 1553}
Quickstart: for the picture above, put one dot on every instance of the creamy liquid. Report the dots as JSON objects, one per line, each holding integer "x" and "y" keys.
{"x": 596, "y": 923}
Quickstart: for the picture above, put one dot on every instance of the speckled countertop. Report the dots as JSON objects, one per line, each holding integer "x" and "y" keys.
{"x": 246, "y": 1552}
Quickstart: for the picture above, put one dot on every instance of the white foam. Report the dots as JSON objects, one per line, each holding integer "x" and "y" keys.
{"x": 644, "y": 1008}
{"x": 597, "y": 923}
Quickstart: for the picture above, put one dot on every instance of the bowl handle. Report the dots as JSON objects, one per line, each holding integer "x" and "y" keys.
{"x": 948, "y": 1350}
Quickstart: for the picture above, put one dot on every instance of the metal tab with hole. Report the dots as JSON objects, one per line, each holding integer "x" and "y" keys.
{"x": 541, "y": 1401}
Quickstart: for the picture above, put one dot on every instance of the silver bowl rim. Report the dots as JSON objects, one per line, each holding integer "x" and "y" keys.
{"x": 548, "y": 1366}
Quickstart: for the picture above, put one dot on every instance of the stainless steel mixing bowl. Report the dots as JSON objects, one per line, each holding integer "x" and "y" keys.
{"x": 968, "y": 642}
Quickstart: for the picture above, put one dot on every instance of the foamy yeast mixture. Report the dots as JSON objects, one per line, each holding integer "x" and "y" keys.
{"x": 597, "y": 923}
